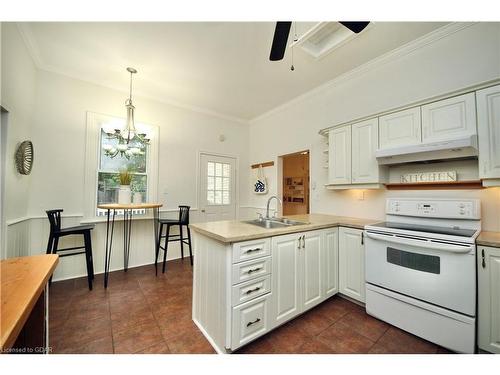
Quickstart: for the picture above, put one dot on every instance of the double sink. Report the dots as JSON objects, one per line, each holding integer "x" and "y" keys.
{"x": 275, "y": 222}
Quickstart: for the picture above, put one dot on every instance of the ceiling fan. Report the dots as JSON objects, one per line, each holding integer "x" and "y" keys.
{"x": 282, "y": 31}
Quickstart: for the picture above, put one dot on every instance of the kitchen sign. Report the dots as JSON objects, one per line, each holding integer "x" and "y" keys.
{"x": 412, "y": 178}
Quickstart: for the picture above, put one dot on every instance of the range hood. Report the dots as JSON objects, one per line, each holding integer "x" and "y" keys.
{"x": 464, "y": 147}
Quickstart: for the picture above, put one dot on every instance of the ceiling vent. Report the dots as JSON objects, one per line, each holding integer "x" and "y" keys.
{"x": 324, "y": 37}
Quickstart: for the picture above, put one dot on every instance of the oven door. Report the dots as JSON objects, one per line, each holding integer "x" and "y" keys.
{"x": 438, "y": 272}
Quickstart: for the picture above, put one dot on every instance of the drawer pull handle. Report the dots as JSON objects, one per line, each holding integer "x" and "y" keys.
{"x": 483, "y": 263}
{"x": 253, "y": 250}
{"x": 254, "y": 270}
{"x": 253, "y": 290}
{"x": 255, "y": 321}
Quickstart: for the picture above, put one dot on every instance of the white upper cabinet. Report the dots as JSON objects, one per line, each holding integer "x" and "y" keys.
{"x": 488, "y": 124}
{"x": 365, "y": 168}
{"x": 449, "y": 118}
{"x": 401, "y": 128}
{"x": 339, "y": 163}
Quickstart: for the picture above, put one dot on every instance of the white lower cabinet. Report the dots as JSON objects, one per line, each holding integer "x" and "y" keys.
{"x": 286, "y": 270}
{"x": 312, "y": 271}
{"x": 250, "y": 320}
{"x": 243, "y": 290}
{"x": 488, "y": 277}
{"x": 352, "y": 263}
{"x": 330, "y": 262}
{"x": 304, "y": 272}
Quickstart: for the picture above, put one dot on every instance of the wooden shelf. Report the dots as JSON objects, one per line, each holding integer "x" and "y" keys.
{"x": 437, "y": 185}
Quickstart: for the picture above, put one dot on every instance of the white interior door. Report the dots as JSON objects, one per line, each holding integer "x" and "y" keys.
{"x": 217, "y": 188}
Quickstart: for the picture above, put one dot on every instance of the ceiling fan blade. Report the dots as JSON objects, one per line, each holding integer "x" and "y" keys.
{"x": 279, "y": 40}
{"x": 355, "y": 27}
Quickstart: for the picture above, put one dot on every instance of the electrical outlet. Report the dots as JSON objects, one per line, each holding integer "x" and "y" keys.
{"x": 361, "y": 195}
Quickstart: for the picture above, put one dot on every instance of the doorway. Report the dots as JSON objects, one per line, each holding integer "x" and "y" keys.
{"x": 295, "y": 183}
{"x": 217, "y": 187}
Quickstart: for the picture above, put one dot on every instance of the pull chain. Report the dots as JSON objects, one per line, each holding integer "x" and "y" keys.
{"x": 292, "y": 68}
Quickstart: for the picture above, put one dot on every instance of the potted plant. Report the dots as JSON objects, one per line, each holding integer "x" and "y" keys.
{"x": 124, "y": 194}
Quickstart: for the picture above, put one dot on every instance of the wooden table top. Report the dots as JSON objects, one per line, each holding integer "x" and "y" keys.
{"x": 22, "y": 282}
{"x": 131, "y": 206}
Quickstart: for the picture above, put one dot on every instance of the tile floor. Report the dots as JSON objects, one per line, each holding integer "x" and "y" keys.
{"x": 141, "y": 313}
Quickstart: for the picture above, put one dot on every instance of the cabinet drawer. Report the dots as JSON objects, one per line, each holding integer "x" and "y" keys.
{"x": 246, "y": 291}
{"x": 250, "y": 321}
{"x": 251, "y": 249}
{"x": 251, "y": 269}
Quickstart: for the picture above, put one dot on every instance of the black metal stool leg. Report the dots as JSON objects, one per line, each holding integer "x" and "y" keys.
{"x": 158, "y": 244}
{"x": 55, "y": 244}
{"x": 50, "y": 244}
{"x": 166, "y": 247}
{"x": 182, "y": 241}
{"x": 86, "y": 237}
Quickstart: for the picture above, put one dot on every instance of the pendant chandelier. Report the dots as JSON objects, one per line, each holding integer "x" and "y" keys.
{"x": 130, "y": 142}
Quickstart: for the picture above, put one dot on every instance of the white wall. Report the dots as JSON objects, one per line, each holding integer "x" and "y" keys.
{"x": 467, "y": 57}
{"x": 18, "y": 86}
{"x": 18, "y": 97}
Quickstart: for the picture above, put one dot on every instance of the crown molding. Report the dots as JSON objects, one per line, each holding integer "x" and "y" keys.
{"x": 395, "y": 54}
{"x": 34, "y": 52}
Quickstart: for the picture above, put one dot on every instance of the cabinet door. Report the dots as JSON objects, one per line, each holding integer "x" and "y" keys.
{"x": 401, "y": 128}
{"x": 365, "y": 168}
{"x": 488, "y": 127}
{"x": 312, "y": 269}
{"x": 339, "y": 163}
{"x": 489, "y": 299}
{"x": 449, "y": 118}
{"x": 285, "y": 278}
{"x": 330, "y": 261}
{"x": 352, "y": 263}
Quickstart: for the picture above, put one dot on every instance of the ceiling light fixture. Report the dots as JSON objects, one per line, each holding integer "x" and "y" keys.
{"x": 130, "y": 142}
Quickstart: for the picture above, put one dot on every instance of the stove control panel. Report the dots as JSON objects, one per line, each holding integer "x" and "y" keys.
{"x": 438, "y": 208}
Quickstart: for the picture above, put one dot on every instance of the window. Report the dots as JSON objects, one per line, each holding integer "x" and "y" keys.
{"x": 218, "y": 183}
{"x": 102, "y": 173}
{"x": 108, "y": 174}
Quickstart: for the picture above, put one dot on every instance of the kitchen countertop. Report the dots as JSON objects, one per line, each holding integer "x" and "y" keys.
{"x": 488, "y": 239}
{"x": 235, "y": 231}
{"x": 22, "y": 282}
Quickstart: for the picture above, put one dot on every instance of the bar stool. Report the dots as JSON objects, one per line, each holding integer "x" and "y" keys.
{"x": 181, "y": 222}
{"x": 57, "y": 232}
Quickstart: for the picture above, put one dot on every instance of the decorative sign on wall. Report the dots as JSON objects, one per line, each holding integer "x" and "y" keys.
{"x": 412, "y": 178}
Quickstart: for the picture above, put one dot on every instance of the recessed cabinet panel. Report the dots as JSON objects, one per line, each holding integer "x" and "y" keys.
{"x": 330, "y": 262}
{"x": 365, "y": 168}
{"x": 250, "y": 321}
{"x": 286, "y": 277}
{"x": 449, "y": 118}
{"x": 488, "y": 124}
{"x": 401, "y": 128}
{"x": 488, "y": 263}
{"x": 339, "y": 164}
{"x": 352, "y": 263}
{"x": 311, "y": 253}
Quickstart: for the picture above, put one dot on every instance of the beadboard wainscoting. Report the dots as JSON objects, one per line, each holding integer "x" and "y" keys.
{"x": 29, "y": 235}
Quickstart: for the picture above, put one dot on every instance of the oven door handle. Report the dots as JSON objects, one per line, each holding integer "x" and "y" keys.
{"x": 461, "y": 249}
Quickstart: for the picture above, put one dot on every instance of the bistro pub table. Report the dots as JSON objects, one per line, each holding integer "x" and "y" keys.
{"x": 127, "y": 229}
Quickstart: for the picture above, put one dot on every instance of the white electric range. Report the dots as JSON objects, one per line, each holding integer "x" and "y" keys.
{"x": 421, "y": 269}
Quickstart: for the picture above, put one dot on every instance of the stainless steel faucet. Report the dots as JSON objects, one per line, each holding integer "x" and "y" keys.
{"x": 269, "y": 201}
